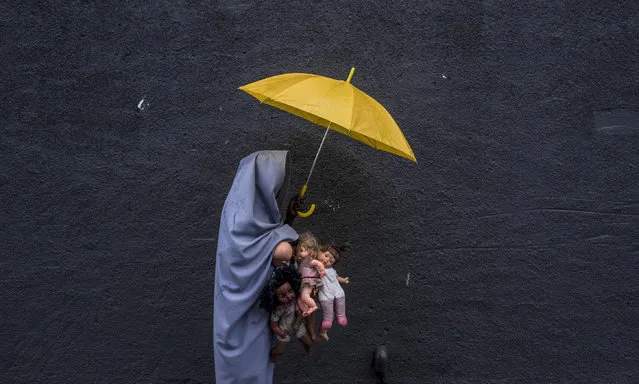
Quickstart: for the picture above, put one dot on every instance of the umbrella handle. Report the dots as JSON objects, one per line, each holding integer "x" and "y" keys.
{"x": 311, "y": 209}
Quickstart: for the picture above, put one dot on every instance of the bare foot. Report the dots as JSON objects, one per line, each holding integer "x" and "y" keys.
{"x": 308, "y": 344}
{"x": 324, "y": 335}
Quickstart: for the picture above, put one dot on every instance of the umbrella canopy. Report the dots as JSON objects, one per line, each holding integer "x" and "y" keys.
{"x": 334, "y": 104}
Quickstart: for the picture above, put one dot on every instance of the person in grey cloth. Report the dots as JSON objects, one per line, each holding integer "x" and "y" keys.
{"x": 252, "y": 240}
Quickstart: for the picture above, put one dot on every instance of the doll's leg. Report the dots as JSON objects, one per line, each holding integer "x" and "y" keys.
{"x": 327, "y": 318}
{"x": 311, "y": 327}
{"x": 310, "y": 324}
{"x": 327, "y": 314}
{"x": 307, "y": 343}
{"x": 277, "y": 351}
{"x": 340, "y": 309}
{"x": 305, "y": 302}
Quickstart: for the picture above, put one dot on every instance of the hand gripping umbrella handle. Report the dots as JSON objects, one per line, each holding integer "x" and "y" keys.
{"x": 311, "y": 209}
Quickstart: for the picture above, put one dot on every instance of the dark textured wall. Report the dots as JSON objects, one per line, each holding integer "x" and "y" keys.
{"x": 507, "y": 254}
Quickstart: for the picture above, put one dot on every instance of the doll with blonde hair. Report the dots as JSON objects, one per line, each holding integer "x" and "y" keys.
{"x": 311, "y": 271}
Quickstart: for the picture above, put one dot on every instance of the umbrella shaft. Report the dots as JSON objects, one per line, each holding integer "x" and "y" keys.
{"x": 317, "y": 155}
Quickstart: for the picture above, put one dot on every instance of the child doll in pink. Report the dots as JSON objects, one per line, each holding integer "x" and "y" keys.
{"x": 311, "y": 271}
{"x": 331, "y": 294}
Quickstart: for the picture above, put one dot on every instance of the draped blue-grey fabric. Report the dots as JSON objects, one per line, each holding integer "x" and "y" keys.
{"x": 250, "y": 228}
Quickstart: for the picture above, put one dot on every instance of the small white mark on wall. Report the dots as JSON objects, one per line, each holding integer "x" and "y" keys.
{"x": 143, "y": 104}
{"x": 408, "y": 279}
{"x": 331, "y": 204}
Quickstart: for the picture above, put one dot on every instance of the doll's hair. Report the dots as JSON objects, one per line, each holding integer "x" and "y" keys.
{"x": 309, "y": 241}
{"x": 281, "y": 275}
{"x": 336, "y": 250}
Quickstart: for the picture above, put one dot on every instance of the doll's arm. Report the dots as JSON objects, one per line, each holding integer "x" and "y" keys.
{"x": 342, "y": 280}
{"x": 298, "y": 318}
{"x": 276, "y": 329}
{"x": 319, "y": 266}
{"x": 282, "y": 253}
{"x": 275, "y": 319}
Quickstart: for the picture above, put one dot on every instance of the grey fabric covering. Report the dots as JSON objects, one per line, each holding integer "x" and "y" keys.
{"x": 250, "y": 228}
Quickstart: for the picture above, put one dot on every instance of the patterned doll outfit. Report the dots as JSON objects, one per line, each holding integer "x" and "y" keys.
{"x": 309, "y": 274}
{"x": 285, "y": 317}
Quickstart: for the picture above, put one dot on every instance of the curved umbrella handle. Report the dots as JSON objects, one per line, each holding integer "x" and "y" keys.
{"x": 310, "y": 210}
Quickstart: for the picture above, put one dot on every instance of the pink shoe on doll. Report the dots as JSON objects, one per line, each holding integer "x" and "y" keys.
{"x": 341, "y": 320}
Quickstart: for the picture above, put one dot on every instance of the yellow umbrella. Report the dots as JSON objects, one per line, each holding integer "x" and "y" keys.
{"x": 336, "y": 105}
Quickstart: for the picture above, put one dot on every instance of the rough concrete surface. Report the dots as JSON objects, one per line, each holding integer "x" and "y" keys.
{"x": 508, "y": 254}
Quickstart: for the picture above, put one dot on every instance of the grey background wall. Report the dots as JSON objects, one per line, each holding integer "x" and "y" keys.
{"x": 507, "y": 254}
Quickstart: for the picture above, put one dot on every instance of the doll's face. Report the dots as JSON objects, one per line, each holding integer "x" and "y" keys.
{"x": 285, "y": 293}
{"x": 302, "y": 252}
{"x": 326, "y": 258}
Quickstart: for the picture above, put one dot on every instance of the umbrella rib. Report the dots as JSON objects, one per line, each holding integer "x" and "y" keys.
{"x": 376, "y": 137}
{"x": 338, "y": 83}
{"x": 350, "y": 122}
{"x": 378, "y": 127}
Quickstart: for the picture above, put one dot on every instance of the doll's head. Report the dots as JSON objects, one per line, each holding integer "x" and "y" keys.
{"x": 307, "y": 246}
{"x": 330, "y": 254}
{"x": 326, "y": 258}
{"x": 281, "y": 287}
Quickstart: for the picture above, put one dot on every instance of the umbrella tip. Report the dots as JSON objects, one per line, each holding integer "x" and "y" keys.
{"x": 350, "y": 75}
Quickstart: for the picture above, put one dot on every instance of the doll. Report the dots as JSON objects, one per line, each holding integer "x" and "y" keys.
{"x": 331, "y": 294}
{"x": 311, "y": 271}
{"x": 279, "y": 297}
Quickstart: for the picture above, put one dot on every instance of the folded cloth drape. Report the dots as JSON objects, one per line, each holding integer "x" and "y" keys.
{"x": 250, "y": 229}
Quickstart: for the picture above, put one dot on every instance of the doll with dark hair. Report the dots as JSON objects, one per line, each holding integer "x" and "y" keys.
{"x": 279, "y": 297}
{"x": 331, "y": 295}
